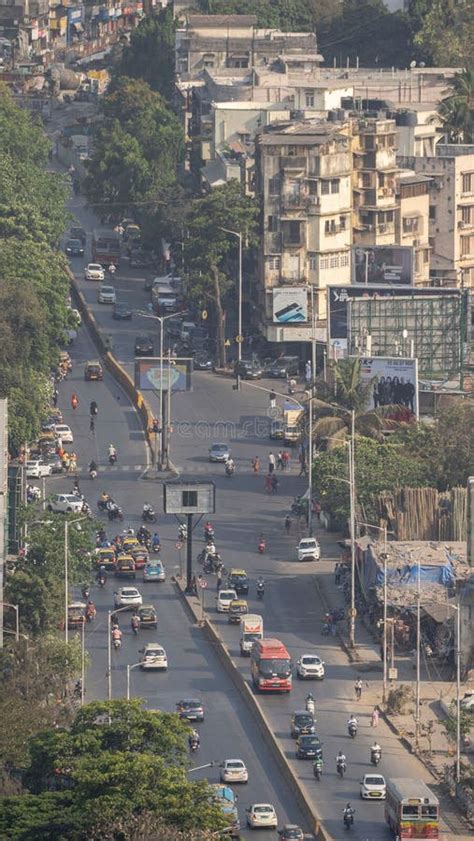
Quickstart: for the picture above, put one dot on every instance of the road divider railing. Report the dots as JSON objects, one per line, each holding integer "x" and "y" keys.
{"x": 298, "y": 790}
{"x": 118, "y": 372}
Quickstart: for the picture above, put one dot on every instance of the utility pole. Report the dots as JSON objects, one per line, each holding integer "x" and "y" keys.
{"x": 418, "y": 657}
{"x": 353, "y": 529}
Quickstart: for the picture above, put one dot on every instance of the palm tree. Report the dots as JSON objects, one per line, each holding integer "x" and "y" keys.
{"x": 456, "y": 110}
{"x": 333, "y": 424}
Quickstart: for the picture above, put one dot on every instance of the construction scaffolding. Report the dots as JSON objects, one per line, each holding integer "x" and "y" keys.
{"x": 434, "y": 329}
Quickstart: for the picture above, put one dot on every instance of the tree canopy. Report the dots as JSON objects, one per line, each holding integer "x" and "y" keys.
{"x": 115, "y": 761}
{"x": 150, "y": 54}
{"x": 456, "y": 110}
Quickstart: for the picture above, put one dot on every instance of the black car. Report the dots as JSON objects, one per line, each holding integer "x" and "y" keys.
{"x": 54, "y": 462}
{"x": 308, "y": 747}
{"x": 74, "y": 248}
{"x": 248, "y": 369}
{"x": 286, "y": 366}
{"x": 302, "y": 724}
{"x": 144, "y": 346}
{"x": 78, "y": 233}
{"x": 239, "y": 582}
{"x": 202, "y": 361}
{"x": 122, "y": 312}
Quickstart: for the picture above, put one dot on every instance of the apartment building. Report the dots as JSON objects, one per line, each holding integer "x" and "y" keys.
{"x": 304, "y": 184}
{"x": 451, "y": 212}
{"x": 374, "y": 181}
{"x": 412, "y": 221}
{"x": 234, "y": 41}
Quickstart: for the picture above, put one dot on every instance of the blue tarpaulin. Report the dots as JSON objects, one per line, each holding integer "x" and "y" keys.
{"x": 406, "y": 573}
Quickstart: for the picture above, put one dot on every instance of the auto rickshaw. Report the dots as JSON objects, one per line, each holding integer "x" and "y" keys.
{"x": 237, "y": 608}
{"x": 76, "y": 615}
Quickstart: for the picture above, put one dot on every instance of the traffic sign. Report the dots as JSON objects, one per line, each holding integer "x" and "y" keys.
{"x": 203, "y": 583}
{"x": 178, "y": 544}
{"x": 239, "y": 339}
{"x": 204, "y": 315}
{"x": 227, "y": 343}
{"x": 352, "y": 612}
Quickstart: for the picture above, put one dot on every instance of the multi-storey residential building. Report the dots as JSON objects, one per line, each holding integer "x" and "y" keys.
{"x": 451, "y": 213}
{"x": 412, "y": 222}
{"x": 374, "y": 181}
{"x": 304, "y": 185}
{"x": 234, "y": 41}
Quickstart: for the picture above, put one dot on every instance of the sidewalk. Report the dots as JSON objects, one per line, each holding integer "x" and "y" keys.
{"x": 435, "y": 695}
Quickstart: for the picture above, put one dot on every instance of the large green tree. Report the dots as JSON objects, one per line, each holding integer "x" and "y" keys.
{"x": 456, "y": 110}
{"x": 115, "y": 761}
{"x": 211, "y": 278}
{"x": 137, "y": 149}
{"x": 150, "y": 54}
{"x": 444, "y": 31}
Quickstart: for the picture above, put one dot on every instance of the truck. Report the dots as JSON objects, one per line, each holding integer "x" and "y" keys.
{"x": 292, "y": 426}
{"x": 251, "y": 630}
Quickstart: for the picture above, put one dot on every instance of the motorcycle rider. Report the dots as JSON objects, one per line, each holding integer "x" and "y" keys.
{"x": 260, "y": 584}
{"x": 348, "y": 814}
{"x": 112, "y": 453}
{"x": 90, "y": 610}
{"x": 117, "y": 634}
{"x": 135, "y": 622}
{"x": 147, "y": 512}
{"x": 194, "y": 738}
{"x": 310, "y": 705}
{"x": 230, "y": 465}
{"x": 352, "y": 723}
{"x": 375, "y": 749}
{"x": 101, "y": 576}
{"x": 92, "y": 467}
{"x": 340, "y": 760}
{"x": 155, "y": 542}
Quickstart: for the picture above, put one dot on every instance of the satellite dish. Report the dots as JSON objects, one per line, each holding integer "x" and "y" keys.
{"x": 412, "y": 64}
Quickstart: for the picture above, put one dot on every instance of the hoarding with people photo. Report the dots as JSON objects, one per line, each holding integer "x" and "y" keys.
{"x": 394, "y": 383}
{"x": 383, "y": 264}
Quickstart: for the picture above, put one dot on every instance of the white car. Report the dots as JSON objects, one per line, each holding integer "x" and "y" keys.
{"x": 128, "y": 597}
{"x": 262, "y": 815}
{"x": 35, "y": 469}
{"x": 62, "y": 431}
{"x": 65, "y": 504}
{"x": 234, "y": 771}
{"x": 310, "y": 666}
{"x": 308, "y": 549}
{"x": 224, "y": 598}
{"x": 153, "y": 656}
{"x": 94, "y": 271}
{"x": 107, "y": 295}
{"x": 373, "y": 787}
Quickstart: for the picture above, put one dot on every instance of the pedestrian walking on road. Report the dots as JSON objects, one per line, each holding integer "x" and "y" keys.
{"x": 274, "y": 483}
{"x": 375, "y": 717}
{"x": 271, "y": 462}
{"x": 287, "y": 523}
{"x": 337, "y": 575}
{"x": 92, "y": 426}
{"x": 280, "y": 465}
{"x": 268, "y": 483}
{"x": 286, "y": 459}
{"x": 74, "y": 401}
{"x": 55, "y": 397}
{"x": 303, "y": 467}
{"x": 219, "y": 579}
{"x": 272, "y": 400}
{"x": 256, "y": 465}
{"x": 358, "y": 689}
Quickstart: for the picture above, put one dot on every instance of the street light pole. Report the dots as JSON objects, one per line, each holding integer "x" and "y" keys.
{"x": 239, "y": 343}
{"x": 129, "y": 669}
{"x": 418, "y": 662}
{"x": 16, "y": 608}
{"x": 383, "y": 529}
{"x": 353, "y": 528}
{"x": 458, "y": 693}
{"x": 109, "y": 647}
{"x": 83, "y": 661}
{"x": 66, "y": 571}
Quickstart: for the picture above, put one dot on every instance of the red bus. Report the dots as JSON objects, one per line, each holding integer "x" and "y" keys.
{"x": 106, "y": 248}
{"x": 411, "y": 810}
{"x": 271, "y": 666}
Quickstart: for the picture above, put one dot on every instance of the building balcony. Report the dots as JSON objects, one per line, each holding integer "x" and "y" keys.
{"x": 295, "y": 162}
{"x": 272, "y": 242}
{"x": 383, "y": 159}
{"x": 292, "y": 201}
{"x": 293, "y": 280}
{"x": 337, "y": 229}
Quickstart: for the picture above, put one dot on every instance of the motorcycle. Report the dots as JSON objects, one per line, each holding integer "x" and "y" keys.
{"x": 326, "y": 629}
{"x": 375, "y": 756}
{"x": 182, "y": 532}
{"x": 101, "y": 582}
{"x": 155, "y": 545}
{"x": 261, "y": 545}
{"x": 352, "y": 730}
{"x": 92, "y": 474}
{"x": 193, "y": 745}
{"x": 114, "y": 512}
{"x": 148, "y": 515}
{"x": 348, "y": 819}
{"x": 103, "y": 503}
{"x": 318, "y": 768}
{"x": 85, "y": 592}
{"x": 112, "y": 458}
{"x": 135, "y": 627}
{"x": 341, "y": 769}
{"x": 229, "y": 470}
{"x": 260, "y": 592}
{"x": 90, "y": 614}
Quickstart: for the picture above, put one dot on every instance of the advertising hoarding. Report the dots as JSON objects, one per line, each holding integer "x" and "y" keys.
{"x": 395, "y": 384}
{"x": 338, "y": 296}
{"x": 176, "y": 373}
{"x": 383, "y": 264}
{"x": 290, "y": 305}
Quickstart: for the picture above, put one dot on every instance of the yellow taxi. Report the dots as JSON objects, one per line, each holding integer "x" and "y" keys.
{"x": 105, "y": 558}
{"x": 125, "y": 567}
{"x": 237, "y": 609}
{"x": 128, "y": 543}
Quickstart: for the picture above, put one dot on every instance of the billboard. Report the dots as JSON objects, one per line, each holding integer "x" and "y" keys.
{"x": 290, "y": 304}
{"x": 176, "y": 373}
{"x": 383, "y": 264}
{"x": 338, "y": 296}
{"x": 395, "y": 384}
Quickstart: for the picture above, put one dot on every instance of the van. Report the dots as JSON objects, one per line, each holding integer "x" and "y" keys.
{"x": 187, "y": 328}
{"x": 251, "y": 630}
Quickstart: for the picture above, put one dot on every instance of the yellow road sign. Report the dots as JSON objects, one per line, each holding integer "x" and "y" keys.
{"x": 204, "y": 315}
{"x": 239, "y": 339}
